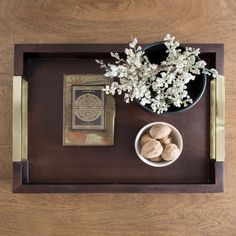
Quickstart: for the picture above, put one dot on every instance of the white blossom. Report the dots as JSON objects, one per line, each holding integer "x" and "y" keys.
{"x": 160, "y": 86}
{"x": 133, "y": 43}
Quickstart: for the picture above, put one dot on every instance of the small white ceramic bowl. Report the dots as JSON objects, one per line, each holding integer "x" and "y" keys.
{"x": 175, "y": 134}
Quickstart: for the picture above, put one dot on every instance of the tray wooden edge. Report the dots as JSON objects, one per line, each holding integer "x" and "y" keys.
{"x": 21, "y": 49}
{"x": 20, "y": 185}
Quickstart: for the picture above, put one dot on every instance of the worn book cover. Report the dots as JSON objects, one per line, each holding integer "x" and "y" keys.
{"x": 88, "y": 114}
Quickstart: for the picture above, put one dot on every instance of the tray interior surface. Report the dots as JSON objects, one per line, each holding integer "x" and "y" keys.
{"x": 50, "y": 162}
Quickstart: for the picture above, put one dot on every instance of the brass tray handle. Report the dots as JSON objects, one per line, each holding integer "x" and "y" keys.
{"x": 20, "y": 119}
{"x": 217, "y": 119}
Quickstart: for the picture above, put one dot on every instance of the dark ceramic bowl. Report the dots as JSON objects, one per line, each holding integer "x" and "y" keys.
{"x": 156, "y": 53}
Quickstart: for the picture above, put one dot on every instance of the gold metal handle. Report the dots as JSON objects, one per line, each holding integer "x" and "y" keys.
{"x": 217, "y": 119}
{"x": 220, "y": 118}
{"x": 20, "y": 119}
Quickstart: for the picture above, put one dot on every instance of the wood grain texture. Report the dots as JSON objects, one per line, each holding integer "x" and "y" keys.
{"x": 108, "y": 21}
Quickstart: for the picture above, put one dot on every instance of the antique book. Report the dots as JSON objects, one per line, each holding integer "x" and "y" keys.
{"x": 88, "y": 114}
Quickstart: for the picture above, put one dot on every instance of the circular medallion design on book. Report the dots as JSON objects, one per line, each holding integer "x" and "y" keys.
{"x": 89, "y": 107}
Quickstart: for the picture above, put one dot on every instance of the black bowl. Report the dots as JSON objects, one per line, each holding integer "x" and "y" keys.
{"x": 156, "y": 53}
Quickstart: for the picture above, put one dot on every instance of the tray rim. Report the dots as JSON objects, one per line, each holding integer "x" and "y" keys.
{"x": 20, "y": 126}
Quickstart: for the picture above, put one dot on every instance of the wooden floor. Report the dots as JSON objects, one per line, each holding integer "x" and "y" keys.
{"x": 94, "y": 21}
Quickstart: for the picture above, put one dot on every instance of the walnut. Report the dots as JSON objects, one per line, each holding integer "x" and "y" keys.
{"x": 151, "y": 149}
{"x": 157, "y": 159}
{"x": 145, "y": 138}
{"x": 170, "y": 152}
{"x": 166, "y": 140}
{"x": 160, "y": 131}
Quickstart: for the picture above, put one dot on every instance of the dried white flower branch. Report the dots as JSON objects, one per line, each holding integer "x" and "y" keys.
{"x": 158, "y": 85}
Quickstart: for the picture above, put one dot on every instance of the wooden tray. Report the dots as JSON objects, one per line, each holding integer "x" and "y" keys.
{"x": 42, "y": 164}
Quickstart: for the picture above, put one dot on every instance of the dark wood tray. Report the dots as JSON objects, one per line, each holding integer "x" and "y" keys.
{"x": 42, "y": 164}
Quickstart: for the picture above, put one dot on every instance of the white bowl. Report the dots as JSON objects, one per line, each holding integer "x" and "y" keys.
{"x": 175, "y": 134}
